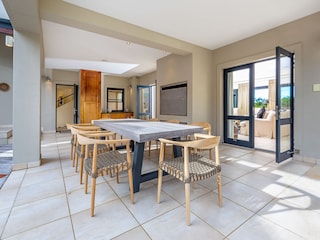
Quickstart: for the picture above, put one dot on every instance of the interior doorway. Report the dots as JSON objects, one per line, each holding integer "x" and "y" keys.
{"x": 66, "y": 106}
{"x": 146, "y": 102}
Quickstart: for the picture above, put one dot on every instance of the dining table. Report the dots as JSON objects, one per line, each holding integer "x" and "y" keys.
{"x": 141, "y": 131}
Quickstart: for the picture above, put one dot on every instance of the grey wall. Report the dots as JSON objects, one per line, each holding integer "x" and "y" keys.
{"x": 148, "y": 79}
{"x": 115, "y": 82}
{"x": 48, "y": 96}
{"x": 174, "y": 69}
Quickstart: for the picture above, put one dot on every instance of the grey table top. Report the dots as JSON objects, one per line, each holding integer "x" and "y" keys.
{"x": 143, "y": 131}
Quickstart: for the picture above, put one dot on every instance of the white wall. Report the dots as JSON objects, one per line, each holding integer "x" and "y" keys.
{"x": 26, "y": 100}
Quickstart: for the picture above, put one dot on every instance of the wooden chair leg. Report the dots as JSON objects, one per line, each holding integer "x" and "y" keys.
{"x": 130, "y": 178}
{"x": 86, "y": 183}
{"x": 75, "y": 160}
{"x": 71, "y": 152}
{"x": 76, "y": 164}
{"x": 93, "y": 194}
{"x": 117, "y": 177}
{"x": 219, "y": 189}
{"x": 159, "y": 185}
{"x": 187, "y": 193}
{"x": 81, "y": 169}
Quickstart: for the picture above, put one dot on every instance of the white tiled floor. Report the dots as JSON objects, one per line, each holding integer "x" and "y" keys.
{"x": 261, "y": 200}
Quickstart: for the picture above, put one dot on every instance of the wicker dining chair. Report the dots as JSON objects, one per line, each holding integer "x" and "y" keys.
{"x": 192, "y": 166}
{"x": 106, "y": 163}
{"x": 156, "y": 141}
{"x": 176, "y": 121}
{"x": 85, "y": 151}
{"x": 206, "y": 129}
{"x": 76, "y": 147}
{"x": 205, "y": 125}
{"x": 73, "y": 137}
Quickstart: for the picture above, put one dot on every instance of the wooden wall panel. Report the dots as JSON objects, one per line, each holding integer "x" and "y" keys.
{"x": 90, "y": 96}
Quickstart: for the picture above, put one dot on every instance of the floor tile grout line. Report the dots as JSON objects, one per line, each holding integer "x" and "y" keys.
{"x": 13, "y": 205}
{"x": 65, "y": 188}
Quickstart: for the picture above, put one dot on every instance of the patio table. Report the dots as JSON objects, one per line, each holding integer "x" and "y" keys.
{"x": 141, "y": 131}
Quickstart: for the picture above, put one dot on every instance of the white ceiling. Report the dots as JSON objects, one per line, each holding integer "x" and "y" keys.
{"x": 95, "y": 52}
{"x": 207, "y": 23}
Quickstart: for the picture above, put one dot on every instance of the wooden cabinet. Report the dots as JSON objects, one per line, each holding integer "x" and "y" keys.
{"x": 90, "y": 96}
{"x": 117, "y": 115}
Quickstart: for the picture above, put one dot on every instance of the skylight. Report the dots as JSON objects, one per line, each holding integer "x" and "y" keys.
{"x": 102, "y": 66}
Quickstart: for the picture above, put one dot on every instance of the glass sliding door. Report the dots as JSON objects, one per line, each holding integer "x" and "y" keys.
{"x": 238, "y": 127}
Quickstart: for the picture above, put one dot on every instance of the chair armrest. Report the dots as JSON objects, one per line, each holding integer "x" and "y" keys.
{"x": 99, "y": 134}
{"x": 202, "y": 135}
{"x": 87, "y": 140}
{"x": 177, "y": 143}
{"x": 194, "y": 143}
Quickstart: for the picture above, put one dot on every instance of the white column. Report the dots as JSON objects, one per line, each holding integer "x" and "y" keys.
{"x": 26, "y": 100}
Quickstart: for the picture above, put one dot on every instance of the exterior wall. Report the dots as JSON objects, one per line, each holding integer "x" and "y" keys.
{"x": 301, "y": 37}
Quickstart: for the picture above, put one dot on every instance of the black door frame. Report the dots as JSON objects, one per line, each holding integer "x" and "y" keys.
{"x": 282, "y": 121}
{"x": 237, "y": 118}
{"x": 75, "y": 104}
